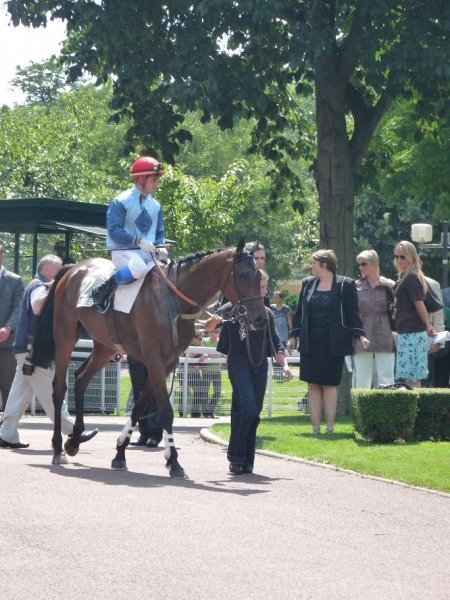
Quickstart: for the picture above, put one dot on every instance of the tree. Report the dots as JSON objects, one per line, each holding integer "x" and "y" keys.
{"x": 241, "y": 58}
{"x": 40, "y": 82}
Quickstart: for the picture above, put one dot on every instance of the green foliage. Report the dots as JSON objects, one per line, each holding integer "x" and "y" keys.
{"x": 384, "y": 416}
{"x": 200, "y": 213}
{"x": 41, "y": 82}
{"x": 66, "y": 150}
{"x": 257, "y": 60}
{"x": 433, "y": 416}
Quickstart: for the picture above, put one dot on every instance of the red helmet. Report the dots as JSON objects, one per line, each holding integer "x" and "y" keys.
{"x": 146, "y": 165}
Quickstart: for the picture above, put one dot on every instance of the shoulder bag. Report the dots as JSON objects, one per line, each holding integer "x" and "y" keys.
{"x": 432, "y": 301}
{"x": 391, "y": 308}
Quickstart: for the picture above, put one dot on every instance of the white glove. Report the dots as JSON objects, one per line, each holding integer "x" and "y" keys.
{"x": 162, "y": 253}
{"x": 147, "y": 246}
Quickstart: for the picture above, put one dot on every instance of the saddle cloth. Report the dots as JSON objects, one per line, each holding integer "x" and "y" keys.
{"x": 124, "y": 296}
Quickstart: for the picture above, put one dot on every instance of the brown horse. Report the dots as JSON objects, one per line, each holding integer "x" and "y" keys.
{"x": 158, "y": 328}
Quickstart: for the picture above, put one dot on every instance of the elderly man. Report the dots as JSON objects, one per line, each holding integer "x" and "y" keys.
{"x": 29, "y": 379}
{"x": 11, "y": 292}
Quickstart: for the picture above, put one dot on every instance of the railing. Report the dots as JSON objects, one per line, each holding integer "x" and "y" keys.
{"x": 192, "y": 386}
{"x": 192, "y": 393}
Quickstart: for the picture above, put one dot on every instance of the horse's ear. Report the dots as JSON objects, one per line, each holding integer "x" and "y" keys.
{"x": 240, "y": 246}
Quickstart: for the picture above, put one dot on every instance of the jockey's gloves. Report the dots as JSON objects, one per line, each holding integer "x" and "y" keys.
{"x": 147, "y": 246}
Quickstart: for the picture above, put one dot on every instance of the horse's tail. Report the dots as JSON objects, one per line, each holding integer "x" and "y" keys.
{"x": 44, "y": 343}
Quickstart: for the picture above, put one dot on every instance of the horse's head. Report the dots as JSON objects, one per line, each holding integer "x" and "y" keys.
{"x": 244, "y": 288}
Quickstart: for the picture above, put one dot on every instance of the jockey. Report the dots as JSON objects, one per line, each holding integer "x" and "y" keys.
{"x": 135, "y": 223}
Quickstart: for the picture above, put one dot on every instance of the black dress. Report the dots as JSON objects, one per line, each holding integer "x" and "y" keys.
{"x": 319, "y": 366}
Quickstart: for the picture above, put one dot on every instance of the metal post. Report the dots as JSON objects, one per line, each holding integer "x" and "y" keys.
{"x": 445, "y": 255}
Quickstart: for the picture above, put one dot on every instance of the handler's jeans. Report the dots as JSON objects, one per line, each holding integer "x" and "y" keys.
{"x": 20, "y": 396}
{"x": 249, "y": 386}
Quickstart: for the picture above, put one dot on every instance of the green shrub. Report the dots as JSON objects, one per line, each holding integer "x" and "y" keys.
{"x": 433, "y": 415}
{"x": 384, "y": 416}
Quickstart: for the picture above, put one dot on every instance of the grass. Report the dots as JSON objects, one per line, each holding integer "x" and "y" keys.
{"x": 426, "y": 464}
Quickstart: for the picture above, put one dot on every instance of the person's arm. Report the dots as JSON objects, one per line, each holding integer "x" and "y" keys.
{"x": 351, "y": 309}
{"x": 159, "y": 238}
{"x": 115, "y": 223}
{"x": 37, "y": 298}
{"x": 424, "y": 317}
{"x": 289, "y": 318}
{"x": 11, "y": 322}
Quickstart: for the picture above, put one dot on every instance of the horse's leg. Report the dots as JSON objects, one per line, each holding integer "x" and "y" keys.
{"x": 119, "y": 462}
{"x": 170, "y": 452}
{"x": 59, "y": 391}
{"x": 97, "y": 360}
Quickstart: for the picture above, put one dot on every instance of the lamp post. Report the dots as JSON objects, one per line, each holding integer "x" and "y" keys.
{"x": 422, "y": 233}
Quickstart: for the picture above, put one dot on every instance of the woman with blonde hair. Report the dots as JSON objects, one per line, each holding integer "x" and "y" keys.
{"x": 412, "y": 319}
{"x": 374, "y": 294}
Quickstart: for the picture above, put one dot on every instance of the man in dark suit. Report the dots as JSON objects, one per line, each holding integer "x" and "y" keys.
{"x": 11, "y": 292}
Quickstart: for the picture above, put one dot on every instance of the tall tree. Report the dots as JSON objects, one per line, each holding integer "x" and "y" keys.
{"x": 238, "y": 58}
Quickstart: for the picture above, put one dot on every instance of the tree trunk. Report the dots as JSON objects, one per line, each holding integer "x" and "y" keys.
{"x": 334, "y": 168}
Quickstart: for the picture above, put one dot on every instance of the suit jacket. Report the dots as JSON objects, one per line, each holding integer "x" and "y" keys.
{"x": 345, "y": 322}
{"x": 11, "y": 292}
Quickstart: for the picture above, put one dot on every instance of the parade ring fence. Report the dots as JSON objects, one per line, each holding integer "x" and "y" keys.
{"x": 104, "y": 394}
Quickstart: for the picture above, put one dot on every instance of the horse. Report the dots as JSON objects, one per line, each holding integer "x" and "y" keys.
{"x": 158, "y": 328}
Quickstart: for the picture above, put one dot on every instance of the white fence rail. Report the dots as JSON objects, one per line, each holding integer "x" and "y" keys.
{"x": 199, "y": 387}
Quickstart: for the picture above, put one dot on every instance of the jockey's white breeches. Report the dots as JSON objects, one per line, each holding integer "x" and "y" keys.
{"x": 139, "y": 262}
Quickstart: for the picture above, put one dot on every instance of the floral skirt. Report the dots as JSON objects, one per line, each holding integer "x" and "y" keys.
{"x": 412, "y": 356}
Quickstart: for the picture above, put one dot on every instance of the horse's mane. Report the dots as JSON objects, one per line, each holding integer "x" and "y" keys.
{"x": 190, "y": 258}
{"x": 44, "y": 343}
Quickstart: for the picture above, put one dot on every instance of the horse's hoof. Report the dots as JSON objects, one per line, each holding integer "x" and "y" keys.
{"x": 71, "y": 450}
{"x": 59, "y": 459}
{"x": 176, "y": 472}
{"x": 119, "y": 464}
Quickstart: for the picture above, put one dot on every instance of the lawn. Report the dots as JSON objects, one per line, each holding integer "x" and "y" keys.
{"x": 426, "y": 464}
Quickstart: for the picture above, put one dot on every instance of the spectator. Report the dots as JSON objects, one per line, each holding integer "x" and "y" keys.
{"x": 60, "y": 249}
{"x": 412, "y": 319}
{"x": 196, "y": 385}
{"x": 374, "y": 294}
{"x": 248, "y": 380}
{"x": 282, "y": 314}
{"x": 29, "y": 379}
{"x": 436, "y": 351}
{"x": 257, "y": 250}
{"x": 11, "y": 292}
{"x": 326, "y": 321}
{"x": 442, "y": 362}
{"x": 212, "y": 376}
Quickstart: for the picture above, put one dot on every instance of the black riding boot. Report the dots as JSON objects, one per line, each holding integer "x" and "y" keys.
{"x": 103, "y": 292}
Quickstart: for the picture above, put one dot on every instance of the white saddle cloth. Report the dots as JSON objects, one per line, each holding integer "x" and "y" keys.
{"x": 102, "y": 270}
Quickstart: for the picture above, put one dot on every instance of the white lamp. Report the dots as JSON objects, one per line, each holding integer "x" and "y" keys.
{"x": 421, "y": 233}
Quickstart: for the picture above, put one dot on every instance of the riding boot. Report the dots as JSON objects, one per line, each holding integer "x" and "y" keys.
{"x": 104, "y": 291}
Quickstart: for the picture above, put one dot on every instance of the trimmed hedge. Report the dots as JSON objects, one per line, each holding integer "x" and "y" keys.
{"x": 433, "y": 416}
{"x": 386, "y": 416}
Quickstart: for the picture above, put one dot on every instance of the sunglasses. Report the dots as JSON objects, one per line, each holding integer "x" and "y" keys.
{"x": 362, "y": 264}
{"x": 198, "y": 337}
{"x": 399, "y": 256}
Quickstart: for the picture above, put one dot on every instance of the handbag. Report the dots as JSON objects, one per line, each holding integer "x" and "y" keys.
{"x": 391, "y": 308}
{"x": 432, "y": 301}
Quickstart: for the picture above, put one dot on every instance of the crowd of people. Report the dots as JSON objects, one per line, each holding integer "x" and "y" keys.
{"x": 381, "y": 328}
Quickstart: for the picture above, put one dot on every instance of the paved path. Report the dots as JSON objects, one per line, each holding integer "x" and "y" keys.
{"x": 290, "y": 531}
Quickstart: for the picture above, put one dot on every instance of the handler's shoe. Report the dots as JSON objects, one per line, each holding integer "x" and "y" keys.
{"x": 236, "y": 468}
{"x": 86, "y": 437}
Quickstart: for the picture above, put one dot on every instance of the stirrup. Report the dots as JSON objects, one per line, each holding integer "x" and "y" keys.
{"x": 104, "y": 306}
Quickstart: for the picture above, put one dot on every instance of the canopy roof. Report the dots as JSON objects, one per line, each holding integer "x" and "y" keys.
{"x": 50, "y": 215}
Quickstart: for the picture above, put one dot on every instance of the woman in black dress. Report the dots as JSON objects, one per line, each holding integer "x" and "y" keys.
{"x": 326, "y": 321}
